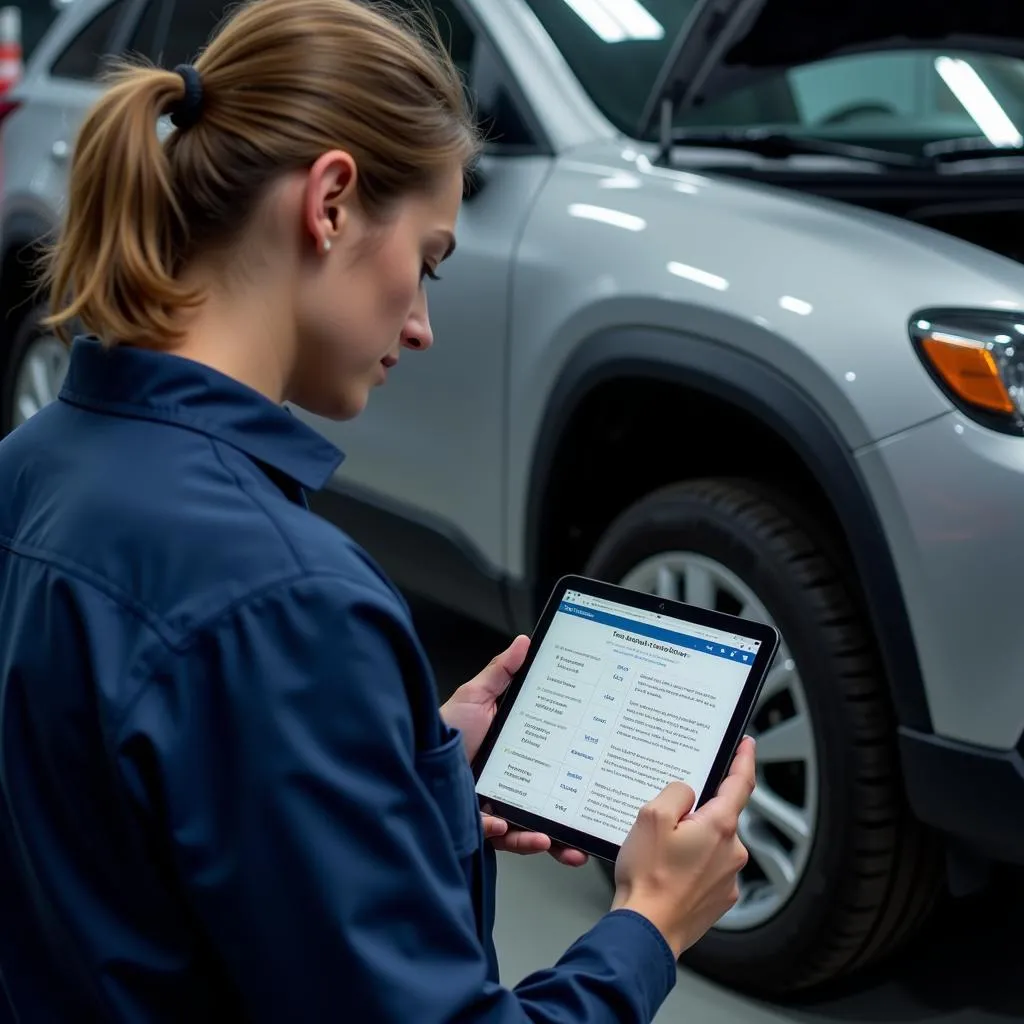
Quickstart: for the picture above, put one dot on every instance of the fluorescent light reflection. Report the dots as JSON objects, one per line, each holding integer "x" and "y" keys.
{"x": 620, "y": 180}
{"x": 618, "y": 21}
{"x": 698, "y": 276}
{"x": 605, "y": 215}
{"x": 976, "y": 98}
{"x": 794, "y": 305}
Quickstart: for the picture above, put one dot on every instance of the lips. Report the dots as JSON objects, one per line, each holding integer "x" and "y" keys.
{"x": 389, "y": 361}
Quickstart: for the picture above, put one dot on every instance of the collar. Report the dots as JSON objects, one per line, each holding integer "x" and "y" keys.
{"x": 150, "y": 385}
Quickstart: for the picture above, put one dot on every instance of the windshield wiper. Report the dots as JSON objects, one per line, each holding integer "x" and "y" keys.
{"x": 956, "y": 151}
{"x": 779, "y": 145}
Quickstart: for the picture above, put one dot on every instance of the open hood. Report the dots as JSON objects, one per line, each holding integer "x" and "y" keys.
{"x": 728, "y": 44}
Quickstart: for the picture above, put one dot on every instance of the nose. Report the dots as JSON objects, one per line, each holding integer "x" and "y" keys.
{"x": 417, "y": 333}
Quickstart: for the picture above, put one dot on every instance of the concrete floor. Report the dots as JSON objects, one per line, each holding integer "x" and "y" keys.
{"x": 967, "y": 969}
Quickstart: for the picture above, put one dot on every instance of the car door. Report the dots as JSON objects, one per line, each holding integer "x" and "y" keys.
{"x": 429, "y": 451}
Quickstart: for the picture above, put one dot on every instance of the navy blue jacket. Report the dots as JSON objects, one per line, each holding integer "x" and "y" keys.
{"x": 226, "y": 793}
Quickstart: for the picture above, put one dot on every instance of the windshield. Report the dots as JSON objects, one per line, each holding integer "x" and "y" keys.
{"x": 898, "y": 100}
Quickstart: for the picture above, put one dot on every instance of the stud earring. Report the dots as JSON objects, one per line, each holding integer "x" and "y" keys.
{"x": 327, "y": 245}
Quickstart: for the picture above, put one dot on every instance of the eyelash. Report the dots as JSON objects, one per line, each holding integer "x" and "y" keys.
{"x": 428, "y": 273}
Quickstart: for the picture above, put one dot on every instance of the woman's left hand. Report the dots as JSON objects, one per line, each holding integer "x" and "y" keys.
{"x": 471, "y": 709}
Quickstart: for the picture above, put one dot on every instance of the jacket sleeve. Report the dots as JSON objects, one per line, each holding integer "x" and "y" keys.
{"x": 278, "y": 747}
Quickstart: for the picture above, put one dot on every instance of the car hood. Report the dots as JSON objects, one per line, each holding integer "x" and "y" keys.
{"x": 727, "y": 44}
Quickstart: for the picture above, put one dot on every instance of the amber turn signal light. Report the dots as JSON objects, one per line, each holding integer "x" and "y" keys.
{"x": 970, "y": 371}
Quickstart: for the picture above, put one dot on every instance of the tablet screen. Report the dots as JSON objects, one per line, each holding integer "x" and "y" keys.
{"x": 618, "y": 703}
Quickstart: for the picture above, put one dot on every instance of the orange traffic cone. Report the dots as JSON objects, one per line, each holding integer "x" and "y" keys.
{"x": 10, "y": 48}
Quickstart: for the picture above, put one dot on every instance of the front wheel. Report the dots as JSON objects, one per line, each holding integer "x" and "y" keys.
{"x": 839, "y": 871}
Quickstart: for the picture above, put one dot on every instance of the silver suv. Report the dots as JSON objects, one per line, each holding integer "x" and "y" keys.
{"x": 737, "y": 316}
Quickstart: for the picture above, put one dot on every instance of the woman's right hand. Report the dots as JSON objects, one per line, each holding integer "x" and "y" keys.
{"x": 679, "y": 870}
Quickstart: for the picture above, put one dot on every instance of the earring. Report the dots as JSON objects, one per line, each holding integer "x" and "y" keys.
{"x": 327, "y": 245}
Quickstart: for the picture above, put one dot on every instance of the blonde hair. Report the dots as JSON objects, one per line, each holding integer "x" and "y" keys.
{"x": 283, "y": 81}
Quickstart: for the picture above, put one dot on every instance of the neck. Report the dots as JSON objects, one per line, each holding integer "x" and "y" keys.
{"x": 246, "y": 334}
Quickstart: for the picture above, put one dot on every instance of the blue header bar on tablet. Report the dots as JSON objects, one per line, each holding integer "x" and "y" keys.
{"x": 667, "y": 636}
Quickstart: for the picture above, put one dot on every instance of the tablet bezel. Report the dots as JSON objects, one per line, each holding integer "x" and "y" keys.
{"x": 768, "y": 637}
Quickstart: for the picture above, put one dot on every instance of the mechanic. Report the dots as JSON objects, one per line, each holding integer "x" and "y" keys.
{"x": 226, "y": 792}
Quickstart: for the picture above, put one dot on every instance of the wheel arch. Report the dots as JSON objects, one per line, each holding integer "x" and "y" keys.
{"x": 796, "y": 431}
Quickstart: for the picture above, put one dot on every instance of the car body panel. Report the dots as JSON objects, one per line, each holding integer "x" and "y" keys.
{"x": 948, "y": 529}
{"x": 820, "y": 290}
{"x": 37, "y": 141}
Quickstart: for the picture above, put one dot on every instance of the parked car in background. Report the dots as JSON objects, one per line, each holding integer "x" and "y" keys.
{"x": 737, "y": 316}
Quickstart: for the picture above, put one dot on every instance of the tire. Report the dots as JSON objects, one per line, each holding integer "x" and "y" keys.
{"x": 871, "y": 874}
{"x": 25, "y": 338}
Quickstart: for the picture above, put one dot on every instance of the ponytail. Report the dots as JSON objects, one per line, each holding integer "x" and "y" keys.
{"x": 113, "y": 268}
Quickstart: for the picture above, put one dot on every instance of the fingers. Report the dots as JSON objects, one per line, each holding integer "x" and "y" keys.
{"x": 734, "y": 792}
{"x": 672, "y": 804}
{"x": 506, "y": 840}
{"x": 494, "y": 828}
{"x": 567, "y": 856}
{"x": 523, "y": 843}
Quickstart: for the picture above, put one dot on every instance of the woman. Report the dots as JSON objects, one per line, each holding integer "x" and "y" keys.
{"x": 226, "y": 793}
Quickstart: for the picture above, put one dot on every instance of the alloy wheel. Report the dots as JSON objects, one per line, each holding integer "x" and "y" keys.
{"x": 778, "y": 827}
{"x": 38, "y": 380}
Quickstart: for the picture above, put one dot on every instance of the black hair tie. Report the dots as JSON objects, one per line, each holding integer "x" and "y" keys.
{"x": 189, "y": 109}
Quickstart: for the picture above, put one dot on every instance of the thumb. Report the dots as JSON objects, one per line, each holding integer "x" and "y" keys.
{"x": 512, "y": 658}
{"x": 675, "y": 800}
{"x": 494, "y": 827}
{"x": 498, "y": 674}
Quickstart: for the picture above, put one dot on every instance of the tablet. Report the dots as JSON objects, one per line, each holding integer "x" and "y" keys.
{"x": 621, "y": 693}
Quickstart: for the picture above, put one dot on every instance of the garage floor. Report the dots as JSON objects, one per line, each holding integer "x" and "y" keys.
{"x": 966, "y": 970}
{"x": 968, "y": 974}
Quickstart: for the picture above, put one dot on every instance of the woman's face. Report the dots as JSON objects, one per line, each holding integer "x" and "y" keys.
{"x": 362, "y": 295}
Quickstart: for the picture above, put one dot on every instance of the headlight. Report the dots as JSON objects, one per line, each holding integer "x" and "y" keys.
{"x": 977, "y": 358}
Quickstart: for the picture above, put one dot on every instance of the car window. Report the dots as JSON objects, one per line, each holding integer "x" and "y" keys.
{"x": 485, "y": 78}
{"x": 36, "y": 18}
{"x": 83, "y": 57}
{"x": 189, "y": 26}
{"x": 498, "y": 111}
{"x": 457, "y": 33}
{"x": 147, "y": 39}
{"x": 616, "y": 51}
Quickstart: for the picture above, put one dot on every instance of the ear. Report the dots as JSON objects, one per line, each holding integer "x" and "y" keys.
{"x": 330, "y": 194}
